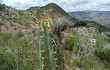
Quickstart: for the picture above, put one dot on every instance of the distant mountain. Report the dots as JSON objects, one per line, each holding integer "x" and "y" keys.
{"x": 102, "y": 17}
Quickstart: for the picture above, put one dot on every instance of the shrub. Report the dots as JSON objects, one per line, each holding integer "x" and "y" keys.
{"x": 20, "y": 53}
{"x": 100, "y": 51}
{"x": 2, "y": 7}
{"x": 1, "y": 23}
{"x": 101, "y": 41}
{"x": 103, "y": 53}
{"x": 4, "y": 38}
{"x": 20, "y": 34}
{"x": 70, "y": 42}
{"x": 7, "y": 61}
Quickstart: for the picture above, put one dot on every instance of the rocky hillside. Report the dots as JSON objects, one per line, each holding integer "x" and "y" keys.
{"x": 102, "y": 17}
{"x": 83, "y": 41}
{"x": 12, "y": 20}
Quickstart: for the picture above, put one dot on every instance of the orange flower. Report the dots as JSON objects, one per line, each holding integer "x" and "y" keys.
{"x": 45, "y": 18}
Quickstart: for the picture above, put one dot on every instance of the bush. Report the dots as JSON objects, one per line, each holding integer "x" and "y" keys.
{"x": 20, "y": 34}
{"x": 1, "y": 23}
{"x": 70, "y": 42}
{"x": 101, "y": 41}
{"x": 20, "y": 56}
{"x": 100, "y": 51}
{"x": 2, "y": 7}
{"x": 7, "y": 61}
{"x": 4, "y": 38}
{"x": 103, "y": 53}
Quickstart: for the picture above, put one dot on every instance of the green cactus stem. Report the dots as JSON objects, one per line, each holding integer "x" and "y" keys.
{"x": 49, "y": 54}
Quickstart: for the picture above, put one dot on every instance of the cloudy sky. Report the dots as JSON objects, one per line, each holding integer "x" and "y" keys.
{"x": 67, "y": 5}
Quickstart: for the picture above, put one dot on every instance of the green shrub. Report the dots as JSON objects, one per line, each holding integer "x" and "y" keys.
{"x": 101, "y": 41}
{"x": 1, "y": 23}
{"x": 7, "y": 61}
{"x": 20, "y": 56}
{"x": 4, "y": 38}
{"x": 70, "y": 42}
{"x": 103, "y": 53}
{"x": 100, "y": 51}
{"x": 20, "y": 34}
{"x": 2, "y": 7}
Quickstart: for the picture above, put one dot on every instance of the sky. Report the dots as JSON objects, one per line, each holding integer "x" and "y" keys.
{"x": 67, "y": 5}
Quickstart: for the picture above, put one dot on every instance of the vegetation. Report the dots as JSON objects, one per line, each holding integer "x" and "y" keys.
{"x": 15, "y": 53}
{"x": 2, "y": 7}
{"x": 70, "y": 42}
{"x": 20, "y": 34}
{"x": 47, "y": 40}
{"x": 79, "y": 57}
{"x": 100, "y": 27}
{"x": 20, "y": 53}
{"x": 102, "y": 40}
{"x": 7, "y": 61}
{"x": 22, "y": 18}
{"x": 75, "y": 57}
{"x": 103, "y": 53}
{"x": 1, "y": 23}
{"x": 59, "y": 10}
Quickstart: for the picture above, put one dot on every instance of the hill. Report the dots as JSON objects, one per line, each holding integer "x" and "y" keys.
{"x": 86, "y": 43}
{"x": 13, "y": 20}
{"x": 98, "y": 16}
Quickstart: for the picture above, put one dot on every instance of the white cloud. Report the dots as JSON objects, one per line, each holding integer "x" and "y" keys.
{"x": 22, "y": 4}
{"x": 78, "y": 5}
{"x": 67, "y": 5}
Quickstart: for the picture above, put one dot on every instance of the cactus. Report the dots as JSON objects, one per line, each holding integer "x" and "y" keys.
{"x": 48, "y": 46}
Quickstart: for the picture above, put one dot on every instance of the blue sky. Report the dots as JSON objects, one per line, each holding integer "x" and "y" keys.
{"x": 0, "y": 1}
{"x": 67, "y": 5}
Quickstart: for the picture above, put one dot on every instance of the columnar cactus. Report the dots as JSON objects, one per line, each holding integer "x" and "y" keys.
{"x": 48, "y": 46}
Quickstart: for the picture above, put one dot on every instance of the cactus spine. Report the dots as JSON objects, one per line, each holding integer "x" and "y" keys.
{"x": 48, "y": 47}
